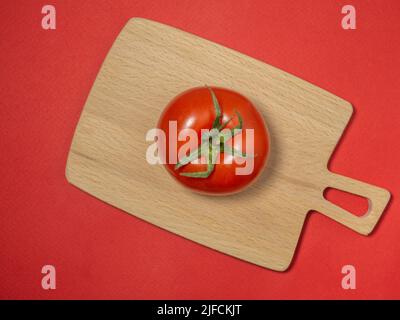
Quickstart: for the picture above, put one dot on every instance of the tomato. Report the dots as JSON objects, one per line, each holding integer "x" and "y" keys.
{"x": 225, "y": 110}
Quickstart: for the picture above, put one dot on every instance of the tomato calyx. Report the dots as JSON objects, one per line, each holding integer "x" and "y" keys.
{"x": 213, "y": 142}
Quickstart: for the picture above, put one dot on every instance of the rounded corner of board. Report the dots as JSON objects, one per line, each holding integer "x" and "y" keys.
{"x": 134, "y": 21}
{"x": 67, "y": 174}
{"x": 386, "y": 196}
{"x": 349, "y": 107}
{"x": 283, "y": 267}
{"x": 345, "y": 108}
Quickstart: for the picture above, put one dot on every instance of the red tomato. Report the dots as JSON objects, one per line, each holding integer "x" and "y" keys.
{"x": 196, "y": 109}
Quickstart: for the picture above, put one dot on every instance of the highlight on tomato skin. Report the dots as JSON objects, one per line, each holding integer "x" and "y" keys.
{"x": 231, "y": 146}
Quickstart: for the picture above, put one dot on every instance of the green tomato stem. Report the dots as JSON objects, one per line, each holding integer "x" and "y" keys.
{"x": 207, "y": 148}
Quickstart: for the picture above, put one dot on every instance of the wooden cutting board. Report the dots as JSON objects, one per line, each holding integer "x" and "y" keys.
{"x": 148, "y": 65}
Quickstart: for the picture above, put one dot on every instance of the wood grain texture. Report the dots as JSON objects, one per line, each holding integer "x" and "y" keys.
{"x": 148, "y": 65}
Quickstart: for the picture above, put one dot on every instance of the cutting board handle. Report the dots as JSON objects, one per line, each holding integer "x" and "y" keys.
{"x": 377, "y": 197}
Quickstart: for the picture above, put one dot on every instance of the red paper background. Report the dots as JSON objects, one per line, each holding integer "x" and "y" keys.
{"x": 100, "y": 252}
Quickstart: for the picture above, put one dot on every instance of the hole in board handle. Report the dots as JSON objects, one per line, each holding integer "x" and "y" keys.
{"x": 354, "y": 204}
